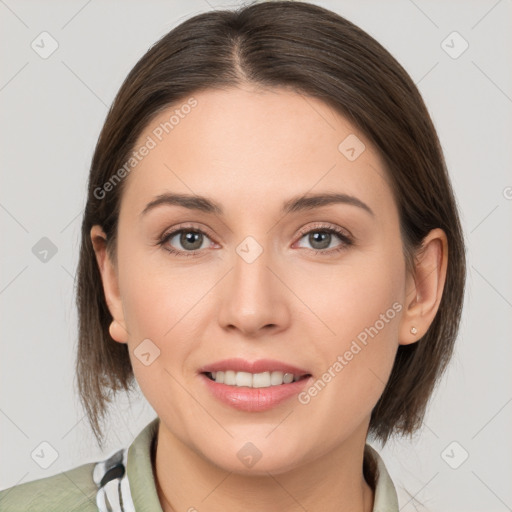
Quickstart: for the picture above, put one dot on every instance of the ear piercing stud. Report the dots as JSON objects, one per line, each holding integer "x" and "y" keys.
{"x": 414, "y": 330}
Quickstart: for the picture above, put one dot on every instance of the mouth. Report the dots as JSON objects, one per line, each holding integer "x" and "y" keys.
{"x": 253, "y": 386}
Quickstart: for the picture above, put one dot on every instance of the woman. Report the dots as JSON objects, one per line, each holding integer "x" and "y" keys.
{"x": 320, "y": 296}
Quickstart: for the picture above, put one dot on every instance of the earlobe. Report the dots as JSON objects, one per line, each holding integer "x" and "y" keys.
{"x": 110, "y": 283}
{"x": 118, "y": 332}
{"x": 425, "y": 288}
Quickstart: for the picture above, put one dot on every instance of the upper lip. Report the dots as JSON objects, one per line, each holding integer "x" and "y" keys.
{"x": 258, "y": 366}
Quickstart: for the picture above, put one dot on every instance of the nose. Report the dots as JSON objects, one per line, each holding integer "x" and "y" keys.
{"x": 254, "y": 298}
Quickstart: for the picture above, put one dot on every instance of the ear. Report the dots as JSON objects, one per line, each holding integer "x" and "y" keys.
{"x": 110, "y": 282}
{"x": 424, "y": 288}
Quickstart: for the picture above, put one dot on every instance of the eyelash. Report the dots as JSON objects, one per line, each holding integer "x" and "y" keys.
{"x": 342, "y": 235}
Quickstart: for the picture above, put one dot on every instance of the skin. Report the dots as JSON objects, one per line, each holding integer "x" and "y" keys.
{"x": 291, "y": 304}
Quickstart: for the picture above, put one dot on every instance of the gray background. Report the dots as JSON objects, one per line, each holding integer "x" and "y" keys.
{"x": 52, "y": 112}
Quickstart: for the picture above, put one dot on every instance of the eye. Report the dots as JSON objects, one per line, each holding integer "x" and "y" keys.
{"x": 189, "y": 241}
{"x": 321, "y": 238}
{"x": 185, "y": 241}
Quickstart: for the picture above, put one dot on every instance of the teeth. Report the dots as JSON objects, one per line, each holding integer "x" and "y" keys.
{"x": 253, "y": 380}
{"x": 243, "y": 379}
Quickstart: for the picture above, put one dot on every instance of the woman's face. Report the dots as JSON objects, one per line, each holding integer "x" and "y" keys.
{"x": 261, "y": 276}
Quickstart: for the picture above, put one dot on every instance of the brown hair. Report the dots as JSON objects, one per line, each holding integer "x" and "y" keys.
{"x": 315, "y": 52}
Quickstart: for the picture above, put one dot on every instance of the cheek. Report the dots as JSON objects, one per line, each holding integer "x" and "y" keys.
{"x": 351, "y": 297}
{"x": 161, "y": 321}
{"x": 155, "y": 293}
{"x": 360, "y": 308}
{"x": 165, "y": 303}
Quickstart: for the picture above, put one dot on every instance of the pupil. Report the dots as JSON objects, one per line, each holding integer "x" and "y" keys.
{"x": 324, "y": 238}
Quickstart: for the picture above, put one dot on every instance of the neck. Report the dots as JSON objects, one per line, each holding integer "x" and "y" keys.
{"x": 332, "y": 482}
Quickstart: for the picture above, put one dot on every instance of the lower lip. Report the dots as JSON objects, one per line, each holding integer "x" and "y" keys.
{"x": 254, "y": 399}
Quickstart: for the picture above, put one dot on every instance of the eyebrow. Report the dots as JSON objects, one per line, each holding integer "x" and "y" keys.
{"x": 295, "y": 204}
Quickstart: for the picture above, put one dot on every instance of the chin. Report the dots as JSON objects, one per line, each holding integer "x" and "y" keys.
{"x": 257, "y": 458}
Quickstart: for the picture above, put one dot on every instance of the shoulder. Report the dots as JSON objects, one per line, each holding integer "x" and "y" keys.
{"x": 69, "y": 490}
{"x": 102, "y": 484}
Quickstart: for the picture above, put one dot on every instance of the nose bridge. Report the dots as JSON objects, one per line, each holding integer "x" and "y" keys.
{"x": 251, "y": 276}
{"x": 251, "y": 263}
{"x": 253, "y": 298}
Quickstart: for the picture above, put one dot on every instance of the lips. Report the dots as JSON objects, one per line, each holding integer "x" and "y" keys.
{"x": 253, "y": 399}
{"x": 258, "y": 366}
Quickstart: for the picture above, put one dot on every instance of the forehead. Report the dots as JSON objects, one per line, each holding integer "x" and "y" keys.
{"x": 252, "y": 145}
